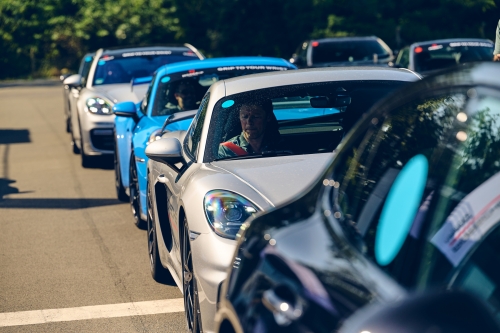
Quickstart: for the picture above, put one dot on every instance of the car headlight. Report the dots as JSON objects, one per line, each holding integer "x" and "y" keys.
{"x": 98, "y": 106}
{"x": 156, "y": 135}
{"x": 226, "y": 212}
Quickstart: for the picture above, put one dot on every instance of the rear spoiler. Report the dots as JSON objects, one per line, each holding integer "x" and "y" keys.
{"x": 139, "y": 80}
{"x": 178, "y": 117}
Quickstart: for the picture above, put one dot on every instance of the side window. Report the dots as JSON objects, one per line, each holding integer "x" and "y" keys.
{"x": 388, "y": 166}
{"x": 145, "y": 100}
{"x": 86, "y": 69}
{"x": 194, "y": 135}
{"x": 403, "y": 59}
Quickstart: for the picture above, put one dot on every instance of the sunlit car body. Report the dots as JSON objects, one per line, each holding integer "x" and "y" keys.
{"x": 409, "y": 203}
{"x": 71, "y": 83}
{"x": 114, "y": 76}
{"x": 133, "y": 133}
{"x": 343, "y": 51}
{"x": 430, "y": 56}
{"x": 198, "y": 200}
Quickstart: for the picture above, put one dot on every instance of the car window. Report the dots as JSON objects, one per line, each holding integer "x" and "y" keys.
{"x": 440, "y": 55}
{"x": 183, "y": 91}
{"x": 193, "y": 136}
{"x": 290, "y": 120}
{"x": 419, "y": 193}
{"x": 145, "y": 100}
{"x": 348, "y": 51}
{"x": 124, "y": 67}
{"x": 403, "y": 59}
{"x": 85, "y": 68}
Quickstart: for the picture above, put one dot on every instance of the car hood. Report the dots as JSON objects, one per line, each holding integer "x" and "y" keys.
{"x": 278, "y": 179}
{"x": 123, "y": 92}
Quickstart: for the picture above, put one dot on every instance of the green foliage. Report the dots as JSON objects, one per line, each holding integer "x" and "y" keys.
{"x": 37, "y": 35}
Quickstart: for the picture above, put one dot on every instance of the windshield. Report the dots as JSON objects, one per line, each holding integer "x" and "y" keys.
{"x": 122, "y": 68}
{"x": 420, "y": 195}
{"x": 441, "y": 55}
{"x": 291, "y": 120}
{"x": 183, "y": 91}
{"x": 348, "y": 51}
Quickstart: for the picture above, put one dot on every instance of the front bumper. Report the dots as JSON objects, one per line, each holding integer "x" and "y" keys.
{"x": 212, "y": 256}
{"x": 97, "y": 134}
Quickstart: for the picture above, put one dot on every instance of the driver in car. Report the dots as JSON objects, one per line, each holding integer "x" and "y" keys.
{"x": 254, "y": 139}
{"x": 185, "y": 94}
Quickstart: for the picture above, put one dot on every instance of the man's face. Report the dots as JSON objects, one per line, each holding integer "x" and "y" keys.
{"x": 186, "y": 97}
{"x": 253, "y": 121}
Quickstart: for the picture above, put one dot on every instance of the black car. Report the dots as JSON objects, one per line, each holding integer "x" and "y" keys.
{"x": 409, "y": 204}
{"x": 342, "y": 51}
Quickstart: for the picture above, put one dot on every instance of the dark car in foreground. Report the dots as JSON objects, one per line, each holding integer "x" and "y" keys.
{"x": 430, "y": 56}
{"x": 342, "y": 51}
{"x": 410, "y": 204}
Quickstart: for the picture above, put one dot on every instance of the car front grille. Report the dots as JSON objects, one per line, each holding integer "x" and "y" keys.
{"x": 102, "y": 139}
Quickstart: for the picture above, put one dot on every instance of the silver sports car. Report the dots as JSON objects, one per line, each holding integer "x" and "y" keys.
{"x": 114, "y": 76}
{"x": 256, "y": 142}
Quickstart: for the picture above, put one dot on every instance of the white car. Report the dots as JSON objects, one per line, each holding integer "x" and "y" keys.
{"x": 114, "y": 76}
{"x": 203, "y": 183}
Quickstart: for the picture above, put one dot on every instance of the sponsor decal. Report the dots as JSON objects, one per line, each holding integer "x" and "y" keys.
{"x": 470, "y": 221}
{"x": 145, "y": 53}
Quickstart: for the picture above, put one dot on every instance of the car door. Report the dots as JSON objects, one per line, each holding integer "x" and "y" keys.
{"x": 124, "y": 131}
{"x": 175, "y": 180}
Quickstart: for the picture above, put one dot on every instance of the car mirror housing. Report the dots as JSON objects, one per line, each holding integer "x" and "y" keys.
{"x": 166, "y": 150}
{"x": 73, "y": 81}
{"x": 125, "y": 109}
{"x": 444, "y": 312}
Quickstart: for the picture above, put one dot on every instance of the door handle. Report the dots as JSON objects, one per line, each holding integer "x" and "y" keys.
{"x": 162, "y": 179}
{"x": 284, "y": 311}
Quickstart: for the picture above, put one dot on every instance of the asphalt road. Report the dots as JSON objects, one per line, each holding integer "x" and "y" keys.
{"x": 65, "y": 240}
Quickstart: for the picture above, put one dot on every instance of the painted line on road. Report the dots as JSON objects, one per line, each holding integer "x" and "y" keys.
{"x": 91, "y": 312}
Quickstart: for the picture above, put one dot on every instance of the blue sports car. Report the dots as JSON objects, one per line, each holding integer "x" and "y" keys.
{"x": 174, "y": 88}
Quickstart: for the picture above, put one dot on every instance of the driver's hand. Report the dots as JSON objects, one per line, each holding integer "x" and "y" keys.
{"x": 496, "y": 57}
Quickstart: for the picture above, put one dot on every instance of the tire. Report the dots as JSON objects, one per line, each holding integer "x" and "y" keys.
{"x": 190, "y": 290}
{"x": 120, "y": 190}
{"x": 158, "y": 272}
{"x": 68, "y": 126}
{"x": 134, "y": 197}
{"x": 86, "y": 159}
{"x": 76, "y": 150}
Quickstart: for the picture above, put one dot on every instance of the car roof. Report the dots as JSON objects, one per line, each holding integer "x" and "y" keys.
{"x": 346, "y": 39}
{"x": 273, "y": 79}
{"x": 451, "y": 40}
{"x": 480, "y": 73}
{"x": 119, "y": 51}
{"x": 217, "y": 62}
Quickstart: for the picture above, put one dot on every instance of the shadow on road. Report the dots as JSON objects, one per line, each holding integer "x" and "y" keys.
{"x": 47, "y": 203}
{"x": 101, "y": 162}
{"x": 9, "y": 136}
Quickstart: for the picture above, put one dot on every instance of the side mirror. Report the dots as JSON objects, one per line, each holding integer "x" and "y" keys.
{"x": 167, "y": 150}
{"x": 73, "y": 81}
{"x": 63, "y": 77}
{"x": 125, "y": 109}
{"x": 444, "y": 312}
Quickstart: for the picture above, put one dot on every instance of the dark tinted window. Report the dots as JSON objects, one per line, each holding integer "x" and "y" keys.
{"x": 440, "y": 55}
{"x": 122, "y": 68}
{"x": 419, "y": 192}
{"x": 194, "y": 135}
{"x": 189, "y": 87}
{"x": 403, "y": 59}
{"x": 147, "y": 97}
{"x": 85, "y": 68}
{"x": 348, "y": 51}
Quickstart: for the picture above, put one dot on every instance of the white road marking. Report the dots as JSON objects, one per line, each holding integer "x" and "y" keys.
{"x": 91, "y": 312}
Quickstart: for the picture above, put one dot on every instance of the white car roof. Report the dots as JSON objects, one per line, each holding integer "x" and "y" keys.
{"x": 291, "y": 77}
